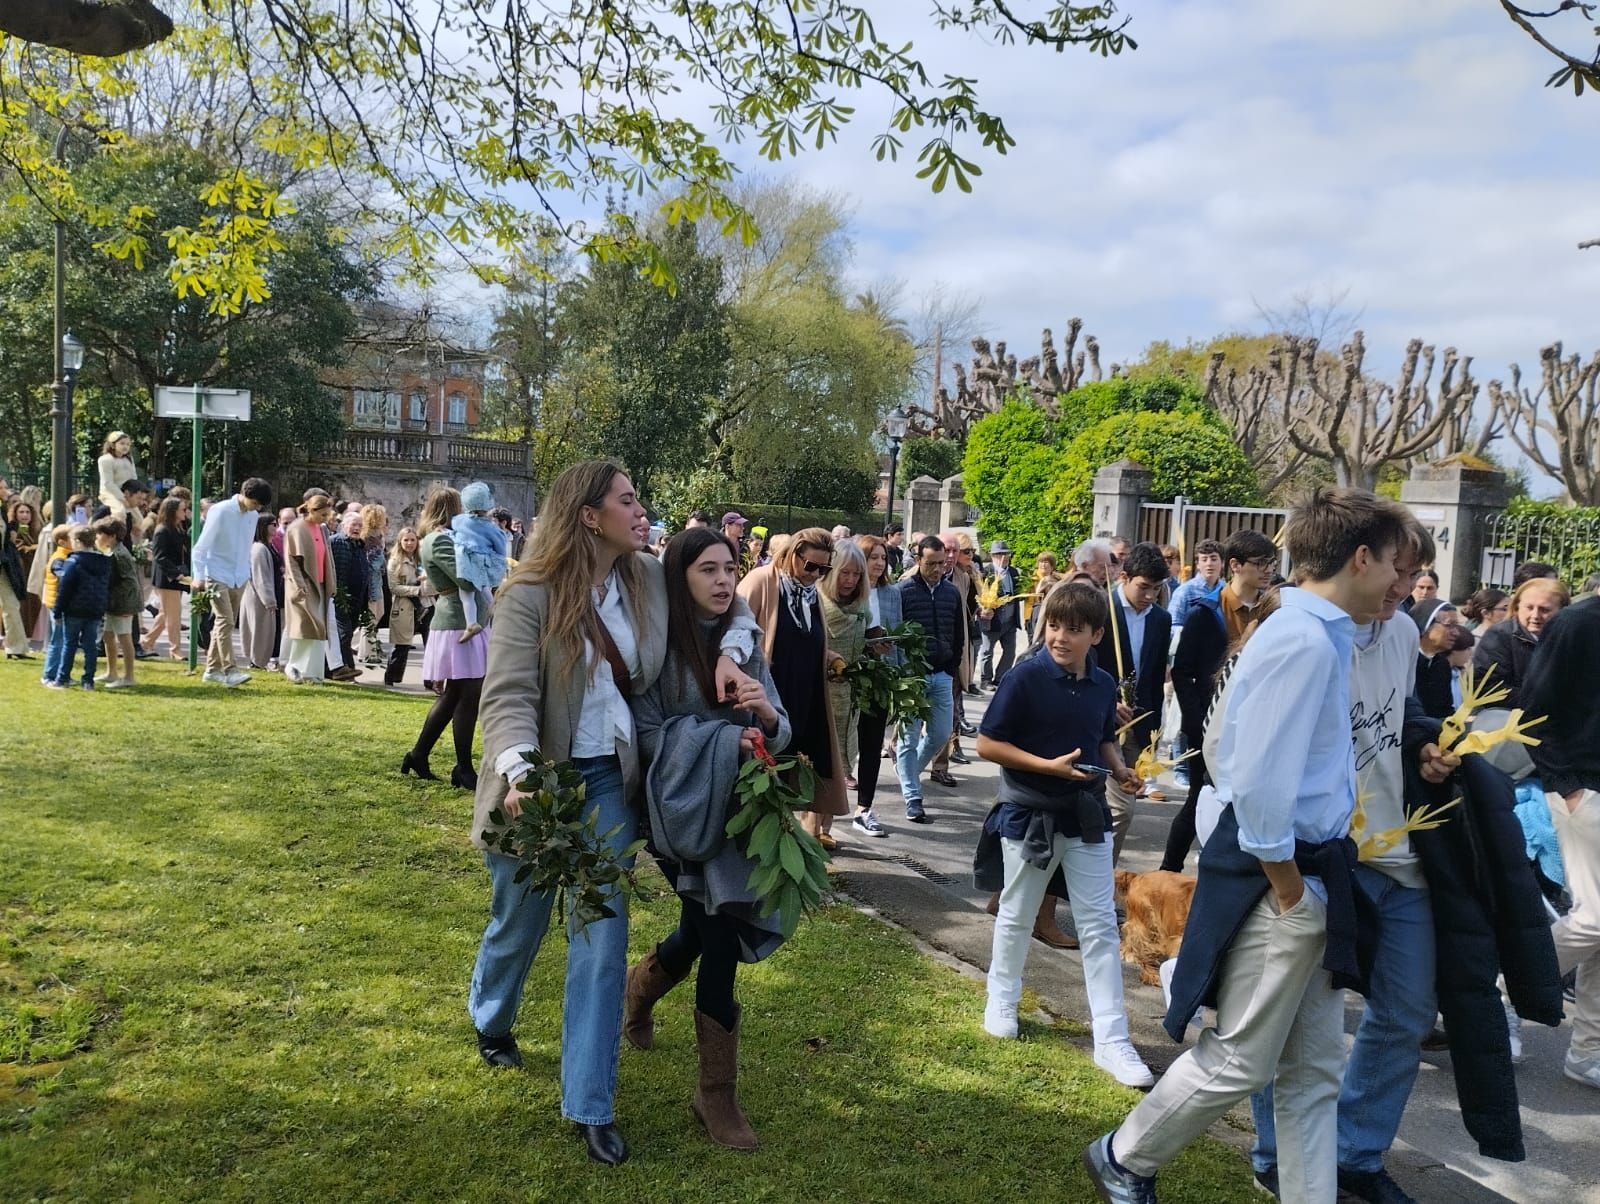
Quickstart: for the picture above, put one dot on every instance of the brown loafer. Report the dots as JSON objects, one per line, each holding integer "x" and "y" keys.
{"x": 1054, "y": 937}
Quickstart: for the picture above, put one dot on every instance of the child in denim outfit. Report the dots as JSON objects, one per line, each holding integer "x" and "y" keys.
{"x": 481, "y": 548}
{"x": 81, "y": 596}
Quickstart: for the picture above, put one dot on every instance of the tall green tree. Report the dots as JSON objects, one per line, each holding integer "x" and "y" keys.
{"x": 653, "y": 359}
{"x": 142, "y": 336}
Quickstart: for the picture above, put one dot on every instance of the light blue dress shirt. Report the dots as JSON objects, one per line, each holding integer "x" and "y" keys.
{"x": 1285, "y": 758}
{"x": 1187, "y": 595}
{"x": 222, "y": 553}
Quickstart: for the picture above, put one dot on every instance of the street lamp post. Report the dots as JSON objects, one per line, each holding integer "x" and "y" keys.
{"x": 894, "y": 425}
{"x": 70, "y": 353}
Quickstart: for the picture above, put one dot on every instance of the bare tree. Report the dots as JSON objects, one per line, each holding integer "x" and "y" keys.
{"x": 1327, "y": 319}
{"x": 102, "y": 30}
{"x": 1251, "y": 403}
{"x": 1334, "y": 412}
{"x": 1558, "y": 428}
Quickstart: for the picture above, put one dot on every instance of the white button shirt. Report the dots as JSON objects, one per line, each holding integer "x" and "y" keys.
{"x": 604, "y": 719}
{"x": 1135, "y": 620}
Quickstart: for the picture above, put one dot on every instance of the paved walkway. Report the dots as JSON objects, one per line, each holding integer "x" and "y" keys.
{"x": 920, "y": 877}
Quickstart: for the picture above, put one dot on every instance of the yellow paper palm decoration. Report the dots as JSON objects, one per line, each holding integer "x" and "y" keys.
{"x": 1514, "y": 732}
{"x": 1148, "y": 765}
{"x": 1423, "y": 819}
{"x": 989, "y": 594}
{"x": 1122, "y": 732}
{"x": 1453, "y": 734}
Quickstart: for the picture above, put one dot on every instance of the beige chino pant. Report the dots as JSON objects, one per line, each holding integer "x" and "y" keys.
{"x": 1279, "y": 1020}
{"x": 225, "y": 618}
{"x": 11, "y": 614}
{"x": 1577, "y": 934}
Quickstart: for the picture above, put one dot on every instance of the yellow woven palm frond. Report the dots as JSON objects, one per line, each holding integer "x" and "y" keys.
{"x": 1148, "y": 765}
{"x": 1514, "y": 732}
{"x": 989, "y": 594}
{"x": 1358, "y": 817}
{"x": 1423, "y": 819}
{"x": 1476, "y": 693}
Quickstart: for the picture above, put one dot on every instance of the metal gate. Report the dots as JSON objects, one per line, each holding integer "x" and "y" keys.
{"x": 1569, "y": 542}
{"x": 1184, "y": 525}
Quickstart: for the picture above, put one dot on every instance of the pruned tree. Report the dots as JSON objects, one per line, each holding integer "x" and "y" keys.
{"x": 1557, "y": 427}
{"x": 1251, "y": 402}
{"x": 1334, "y": 412}
{"x": 996, "y": 375}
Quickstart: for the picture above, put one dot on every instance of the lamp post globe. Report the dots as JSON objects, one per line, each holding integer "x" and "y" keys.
{"x": 72, "y": 350}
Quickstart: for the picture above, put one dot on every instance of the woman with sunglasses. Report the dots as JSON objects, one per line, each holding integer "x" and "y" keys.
{"x": 783, "y": 596}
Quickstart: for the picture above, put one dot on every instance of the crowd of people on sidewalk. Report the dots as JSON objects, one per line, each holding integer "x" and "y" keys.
{"x": 1313, "y": 717}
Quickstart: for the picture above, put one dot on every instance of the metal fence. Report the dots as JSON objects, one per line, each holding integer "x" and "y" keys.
{"x": 1161, "y": 522}
{"x": 1569, "y": 542}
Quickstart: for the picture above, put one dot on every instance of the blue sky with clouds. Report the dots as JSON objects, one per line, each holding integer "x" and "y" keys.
{"x": 1249, "y": 151}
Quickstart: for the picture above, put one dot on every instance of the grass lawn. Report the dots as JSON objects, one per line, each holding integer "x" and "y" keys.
{"x": 234, "y": 949}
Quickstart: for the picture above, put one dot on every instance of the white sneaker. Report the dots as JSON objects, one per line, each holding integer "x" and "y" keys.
{"x": 1582, "y": 1070}
{"x": 1514, "y": 1029}
{"x": 1000, "y": 1019}
{"x": 237, "y": 677}
{"x": 1122, "y": 1062}
{"x": 867, "y": 823}
{"x": 118, "y": 683}
{"x": 213, "y": 676}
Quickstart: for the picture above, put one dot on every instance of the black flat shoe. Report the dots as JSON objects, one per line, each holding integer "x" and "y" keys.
{"x": 19, "y": 656}
{"x": 411, "y": 764}
{"x": 500, "y": 1052}
{"x": 605, "y": 1144}
{"x": 957, "y": 757}
{"x": 466, "y": 779}
{"x": 943, "y": 777}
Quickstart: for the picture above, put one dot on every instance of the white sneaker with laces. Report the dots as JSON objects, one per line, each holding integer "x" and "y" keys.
{"x": 212, "y": 675}
{"x": 868, "y": 823}
{"x": 237, "y": 677}
{"x": 1580, "y": 1069}
{"x": 1000, "y": 1019}
{"x": 1122, "y": 1062}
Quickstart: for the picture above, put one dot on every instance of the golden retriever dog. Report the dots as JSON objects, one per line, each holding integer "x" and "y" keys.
{"x": 1157, "y": 905}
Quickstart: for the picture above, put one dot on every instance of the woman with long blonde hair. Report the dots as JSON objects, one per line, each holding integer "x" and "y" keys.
{"x": 580, "y": 627}
{"x": 374, "y": 526}
{"x": 409, "y": 601}
{"x": 847, "y": 614}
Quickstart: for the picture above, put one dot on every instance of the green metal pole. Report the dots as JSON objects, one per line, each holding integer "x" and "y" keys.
{"x": 194, "y": 522}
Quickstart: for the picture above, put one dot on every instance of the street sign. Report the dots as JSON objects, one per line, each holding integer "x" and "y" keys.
{"x": 222, "y": 405}
{"x": 195, "y": 403}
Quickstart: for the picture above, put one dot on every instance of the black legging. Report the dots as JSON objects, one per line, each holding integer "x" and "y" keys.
{"x": 1180, "y": 836}
{"x": 457, "y": 708}
{"x": 713, "y": 939}
{"x": 869, "y": 734}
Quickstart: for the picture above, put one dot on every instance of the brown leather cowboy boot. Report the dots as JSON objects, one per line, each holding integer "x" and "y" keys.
{"x": 716, "y": 1099}
{"x": 648, "y": 981}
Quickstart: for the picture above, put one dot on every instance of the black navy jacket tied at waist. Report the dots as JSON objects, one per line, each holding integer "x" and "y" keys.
{"x": 1231, "y": 884}
{"x": 1038, "y": 843}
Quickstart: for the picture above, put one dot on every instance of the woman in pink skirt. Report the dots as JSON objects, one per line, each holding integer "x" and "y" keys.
{"x": 455, "y": 668}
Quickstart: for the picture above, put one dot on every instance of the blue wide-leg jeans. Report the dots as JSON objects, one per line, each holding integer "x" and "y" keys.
{"x": 1387, "y": 1053}
{"x": 597, "y": 963}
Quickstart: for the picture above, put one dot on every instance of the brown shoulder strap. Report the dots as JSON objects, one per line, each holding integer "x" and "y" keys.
{"x": 619, "y": 667}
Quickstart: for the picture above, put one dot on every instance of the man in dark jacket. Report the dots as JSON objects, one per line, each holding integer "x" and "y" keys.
{"x": 1133, "y": 649}
{"x": 930, "y": 601}
{"x": 999, "y": 628}
{"x": 1561, "y": 685}
{"x": 349, "y": 554}
{"x": 1213, "y": 624}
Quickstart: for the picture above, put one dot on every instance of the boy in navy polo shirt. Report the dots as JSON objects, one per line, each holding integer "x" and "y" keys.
{"x": 1052, "y": 712}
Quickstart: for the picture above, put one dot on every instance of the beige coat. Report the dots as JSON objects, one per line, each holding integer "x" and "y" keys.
{"x": 305, "y": 601}
{"x": 405, "y": 590}
{"x": 761, "y": 590}
{"x": 532, "y": 700}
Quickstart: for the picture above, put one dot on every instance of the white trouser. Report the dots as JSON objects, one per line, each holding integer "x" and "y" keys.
{"x": 1279, "y": 1020}
{"x": 304, "y": 658}
{"x": 335, "y": 656}
{"x": 1577, "y": 934}
{"x": 1094, "y": 914}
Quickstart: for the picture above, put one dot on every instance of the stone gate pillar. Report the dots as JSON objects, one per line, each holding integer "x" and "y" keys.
{"x": 953, "y": 504}
{"x": 922, "y": 506}
{"x": 1450, "y": 498}
{"x": 1120, "y": 490}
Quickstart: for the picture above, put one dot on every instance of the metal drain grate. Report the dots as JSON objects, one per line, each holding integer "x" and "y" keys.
{"x": 927, "y": 871}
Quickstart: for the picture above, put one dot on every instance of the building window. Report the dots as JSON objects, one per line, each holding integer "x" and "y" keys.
{"x": 419, "y": 406}
{"x": 367, "y": 409}
{"x": 458, "y": 409}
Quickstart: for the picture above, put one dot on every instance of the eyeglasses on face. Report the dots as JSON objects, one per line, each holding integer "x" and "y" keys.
{"x": 1262, "y": 562}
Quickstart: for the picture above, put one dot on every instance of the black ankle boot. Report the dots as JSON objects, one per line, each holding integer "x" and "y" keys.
{"x": 464, "y": 777}
{"x": 605, "y": 1144}
{"x": 411, "y": 763}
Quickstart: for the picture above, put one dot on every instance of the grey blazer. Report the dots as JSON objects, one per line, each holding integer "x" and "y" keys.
{"x": 529, "y": 700}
